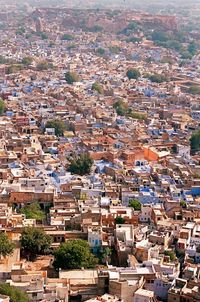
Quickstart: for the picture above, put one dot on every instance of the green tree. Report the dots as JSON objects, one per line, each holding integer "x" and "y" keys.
{"x": 137, "y": 116}
{"x": 192, "y": 48}
{"x": 74, "y": 254}
{"x": 133, "y": 26}
{"x": 134, "y": 203}
{"x": 27, "y": 61}
{"x": 173, "y": 44}
{"x": 133, "y": 40}
{"x": 195, "y": 141}
{"x": 15, "y": 294}
{"x": 101, "y": 51}
{"x": 6, "y": 245}
{"x": 158, "y": 78}
{"x": 97, "y": 87}
{"x": 42, "y": 65}
{"x": 169, "y": 40}
{"x": 121, "y": 107}
{"x": 194, "y": 90}
{"x": 34, "y": 242}
{"x": 14, "y": 68}
{"x": 67, "y": 37}
{"x": 2, "y": 106}
{"x": 33, "y": 211}
{"x": 115, "y": 49}
{"x": 71, "y": 46}
{"x": 160, "y": 36}
{"x": 119, "y": 220}
{"x": 133, "y": 73}
{"x": 42, "y": 35}
{"x": 174, "y": 149}
{"x": 21, "y": 30}
{"x": 81, "y": 164}
{"x": 185, "y": 55}
{"x": 2, "y": 60}
{"x": 71, "y": 77}
{"x": 58, "y": 125}
{"x": 121, "y": 111}
{"x": 171, "y": 255}
{"x": 183, "y": 204}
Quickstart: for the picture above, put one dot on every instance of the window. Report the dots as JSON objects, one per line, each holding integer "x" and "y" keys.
{"x": 34, "y": 294}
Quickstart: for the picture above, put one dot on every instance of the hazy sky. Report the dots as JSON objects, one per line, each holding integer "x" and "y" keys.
{"x": 101, "y": 3}
{"x": 147, "y": 2}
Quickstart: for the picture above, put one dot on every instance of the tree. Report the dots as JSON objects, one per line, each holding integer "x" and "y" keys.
{"x": 133, "y": 40}
{"x": 133, "y": 26}
{"x": 71, "y": 46}
{"x": 15, "y": 294}
{"x": 194, "y": 89}
{"x": 42, "y": 65}
{"x": 97, "y": 87}
{"x": 169, "y": 39}
{"x": 3, "y": 60}
{"x": 171, "y": 255}
{"x": 74, "y": 254}
{"x": 115, "y": 49}
{"x": 196, "y": 176}
{"x": 33, "y": 211}
{"x": 185, "y": 55}
{"x": 137, "y": 116}
{"x": 121, "y": 107}
{"x": 6, "y": 245}
{"x": 173, "y": 44}
{"x": 43, "y": 36}
{"x": 71, "y": 77}
{"x": 195, "y": 141}
{"x": 157, "y": 78}
{"x": 192, "y": 48}
{"x": 35, "y": 242}
{"x": 2, "y": 106}
{"x": 101, "y": 51}
{"x": 81, "y": 164}
{"x": 174, "y": 149}
{"x": 27, "y": 61}
{"x": 121, "y": 111}
{"x": 14, "y": 68}
{"x": 21, "y": 30}
{"x": 160, "y": 36}
{"x": 133, "y": 73}
{"x": 183, "y": 204}
{"x": 67, "y": 37}
{"x": 58, "y": 125}
{"x": 119, "y": 220}
{"x": 134, "y": 203}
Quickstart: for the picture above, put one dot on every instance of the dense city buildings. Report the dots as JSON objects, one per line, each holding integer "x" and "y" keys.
{"x": 99, "y": 152}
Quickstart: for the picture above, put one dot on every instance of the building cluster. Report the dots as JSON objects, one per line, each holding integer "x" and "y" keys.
{"x": 142, "y": 197}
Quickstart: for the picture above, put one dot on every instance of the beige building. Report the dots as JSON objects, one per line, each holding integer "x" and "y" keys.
{"x": 143, "y": 295}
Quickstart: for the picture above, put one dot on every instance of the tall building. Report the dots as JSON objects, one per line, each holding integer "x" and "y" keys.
{"x": 38, "y": 25}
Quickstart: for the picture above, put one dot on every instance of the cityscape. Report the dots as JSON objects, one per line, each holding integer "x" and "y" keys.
{"x": 99, "y": 151}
